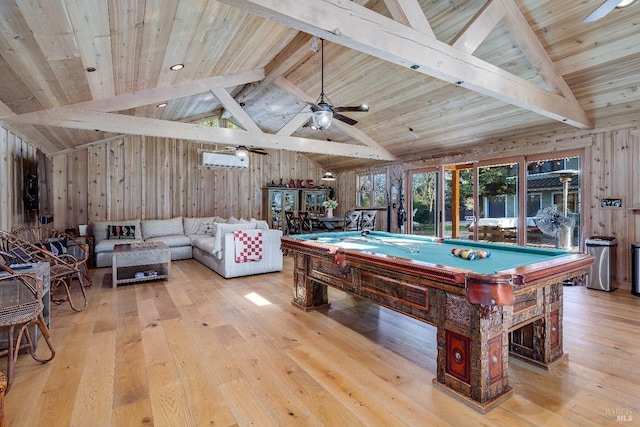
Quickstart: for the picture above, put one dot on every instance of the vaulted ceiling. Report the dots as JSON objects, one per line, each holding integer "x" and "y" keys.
{"x": 439, "y": 77}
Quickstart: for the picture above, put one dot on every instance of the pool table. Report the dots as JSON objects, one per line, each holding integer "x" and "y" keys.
{"x": 507, "y": 302}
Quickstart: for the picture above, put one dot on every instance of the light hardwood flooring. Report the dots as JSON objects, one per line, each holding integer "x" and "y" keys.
{"x": 199, "y": 350}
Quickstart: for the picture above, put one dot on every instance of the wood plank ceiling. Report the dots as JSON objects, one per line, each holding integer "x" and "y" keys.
{"x": 439, "y": 77}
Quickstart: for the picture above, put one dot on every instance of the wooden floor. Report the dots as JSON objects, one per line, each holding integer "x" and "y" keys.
{"x": 199, "y": 350}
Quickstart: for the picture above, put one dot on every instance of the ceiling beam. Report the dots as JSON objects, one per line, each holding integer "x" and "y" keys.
{"x": 70, "y": 117}
{"x": 366, "y": 31}
{"x": 167, "y": 93}
{"x": 523, "y": 34}
{"x": 294, "y": 124}
{"x": 479, "y": 27}
{"x": 235, "y": 110}
{"x": 409, "y": 13}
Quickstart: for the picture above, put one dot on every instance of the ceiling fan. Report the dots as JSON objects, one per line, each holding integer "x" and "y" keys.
{"x": 323, "y": 111}
{"x": 242, "y": 152}
{"x": 605, "y": 8}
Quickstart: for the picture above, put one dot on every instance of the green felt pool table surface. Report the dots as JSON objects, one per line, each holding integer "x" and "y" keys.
{"x": 503, "y": 257}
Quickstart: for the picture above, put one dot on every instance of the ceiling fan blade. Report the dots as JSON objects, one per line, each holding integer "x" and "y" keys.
{"x": 260, "y": 151}
{"x": 347, "y": 120}
{"x": 602, "y": 10}
{"x": 361, "y": 108}
{"x": 314, "y": 107}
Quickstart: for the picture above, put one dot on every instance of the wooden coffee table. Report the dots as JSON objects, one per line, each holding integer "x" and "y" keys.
{"x": 139, "y": 264}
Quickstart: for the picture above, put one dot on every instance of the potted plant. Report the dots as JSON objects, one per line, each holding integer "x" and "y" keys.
{"x": 330, "y": 205}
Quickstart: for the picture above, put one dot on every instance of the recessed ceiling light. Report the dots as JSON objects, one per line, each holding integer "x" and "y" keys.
{"x": 164, "y": 104}
{"x": 176, "y": 67}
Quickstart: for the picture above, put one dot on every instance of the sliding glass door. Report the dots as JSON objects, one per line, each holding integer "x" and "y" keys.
{"x": 423, "y": 217}
{"x": 552, "y": 220}
{"x": 527, "y": 200}
{"x": 497, "y": 204}
{"x": 458, "y": 201}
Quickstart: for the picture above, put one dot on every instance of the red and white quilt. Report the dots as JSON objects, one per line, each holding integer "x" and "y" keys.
{"x": 248, "y": 245}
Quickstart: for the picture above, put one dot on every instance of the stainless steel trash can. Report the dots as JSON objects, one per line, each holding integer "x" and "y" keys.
{"x": 602, "y": 275}
{"x": 635, "y": 269}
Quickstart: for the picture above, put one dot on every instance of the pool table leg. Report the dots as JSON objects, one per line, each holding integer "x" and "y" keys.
{"x": 473, "y": 353}
{"x": 307, "y": 293}
{"x": 537, "y": 334}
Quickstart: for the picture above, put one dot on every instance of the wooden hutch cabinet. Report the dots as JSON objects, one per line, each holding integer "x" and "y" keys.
{"x": 311, "y": 200}
{"x": 277, "y": 200}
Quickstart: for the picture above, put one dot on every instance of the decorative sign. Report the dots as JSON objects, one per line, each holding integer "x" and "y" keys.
{"x": 611, "y": 202}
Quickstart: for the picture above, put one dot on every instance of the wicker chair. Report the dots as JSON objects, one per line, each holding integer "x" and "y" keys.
{"x": 21, "y": 307}
{"x": 64, "y": 267}
{"x": 39, "y": 235}
{"x": 3, "y": 389}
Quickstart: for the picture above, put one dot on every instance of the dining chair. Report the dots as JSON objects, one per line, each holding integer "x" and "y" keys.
{"x": 352, "y": 221}
{"x": 293, "y": 223}
{"x": 368, "y": 220}
{"x": 306, "y": 225}
{"x": 21, "y": 307}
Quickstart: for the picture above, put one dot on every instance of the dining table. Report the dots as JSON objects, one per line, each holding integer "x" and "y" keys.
{"x": 330, "y": 223}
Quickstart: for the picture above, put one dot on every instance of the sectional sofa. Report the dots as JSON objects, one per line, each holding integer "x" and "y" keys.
{"x": 209, "y": 240}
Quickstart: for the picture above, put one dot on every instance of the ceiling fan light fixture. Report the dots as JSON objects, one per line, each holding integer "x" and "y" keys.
{"x": 242, "y": 153}
{"x": 322, "y": 119}
{"x": 624, "y": 3}
{"x": 328, "y": 176}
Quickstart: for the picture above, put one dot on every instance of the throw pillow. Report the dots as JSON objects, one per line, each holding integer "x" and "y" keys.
{"x": 260, "y": 224}
{"x": 210, "y": 228}
{"x": 233, "y": 220}
{"x": 121, "y": 232}
{"x": 56, "y": 247}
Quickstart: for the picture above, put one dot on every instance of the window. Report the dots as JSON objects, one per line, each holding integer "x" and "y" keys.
{"x": 372, "y": 190}
{"x": 545, "y": 188}
{"x": 534, "y": 203}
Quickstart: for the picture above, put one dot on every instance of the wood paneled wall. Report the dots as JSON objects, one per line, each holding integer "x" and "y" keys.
{"x": 614, "y": 172}
{"x": 156, "y": 178}
{"x": 17, "y": 158}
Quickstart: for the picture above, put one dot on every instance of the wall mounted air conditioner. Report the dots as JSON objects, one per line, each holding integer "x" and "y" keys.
{"x": 222, "y": 161}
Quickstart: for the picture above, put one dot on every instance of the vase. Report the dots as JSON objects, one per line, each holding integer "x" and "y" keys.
{"x": 329, "y": 212}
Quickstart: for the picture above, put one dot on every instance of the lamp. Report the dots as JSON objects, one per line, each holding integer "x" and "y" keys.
{"x": 328, "y": 176}
{"x": 322, "y": 119}
{"x": 565, "y": 176}
{"x": 242, "y": 153}
{"x": 565, "y": 234}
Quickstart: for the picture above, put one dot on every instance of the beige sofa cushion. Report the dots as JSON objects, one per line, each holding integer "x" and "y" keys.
{"x": 198, "y": 225}
{"x": 162, "y": 227}
{"x": 173, "y": 241}
{"x": 107, "y": 245}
